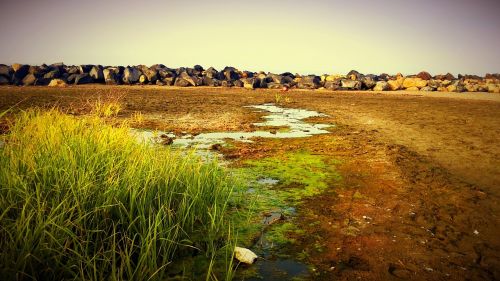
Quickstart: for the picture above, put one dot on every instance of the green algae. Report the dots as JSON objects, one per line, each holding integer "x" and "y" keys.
{"x": 300, "y": 174}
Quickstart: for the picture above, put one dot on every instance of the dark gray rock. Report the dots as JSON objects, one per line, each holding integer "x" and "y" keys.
{"x": 151, "y": 74}
{"x": 5, "y": 71}
{"x": 131, "y": 75}
{"x": 96, "y": 72}
{"x": 231, "y": 74}
{"x": 42, "y": 81}
{"x": 4, "y": 80}
{"x": 71, "y": 78}
{"x": 55, "y": 73}
{"x": 73, "y": 70}
{"x": 238, "y": 83}
{"x": 368, "y": 82}
{"x": 210, "y": 73}
{"x": 354, "y": 75}
{"x": 83, "y": 79}
{"x": 85, "y": 68}
{"x": 207, "y": 81}
{"x": 166, "y": 73}
{"x": 20, "y": 73}
{"x": 111, "y": 76}
{"x": 227, "y": 84}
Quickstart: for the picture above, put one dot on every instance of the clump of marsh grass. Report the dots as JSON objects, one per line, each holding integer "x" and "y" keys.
{"x": 81, "y": 199}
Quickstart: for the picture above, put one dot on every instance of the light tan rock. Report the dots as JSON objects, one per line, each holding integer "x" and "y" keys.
{"x": 471, "y": 87}
{"x": 413, "y": 89}
{"x": 331, "y": 78}
{"x": 411, "y": 82}
{"x": 381, "y": 86}
{"x": 442, "y": 89}
{"x": 244, "y": 255}
{"x": 451, "y": 88}
{"x": 57, "y": 83}
{"x": 395, "y": 85}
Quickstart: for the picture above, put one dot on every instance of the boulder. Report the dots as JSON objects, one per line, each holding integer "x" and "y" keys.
{"x": 151, "y": 74}
{"x": 73, "y": 70}
{"x": 333, "y": 85}
{"x": 16, "y": 66}
{"x": 83, "y": 79}
{"x": 96, "y": 72}
{"x": 193, "y": 80}
{"x": 381, "y": 86}
{"x": 350, "y": 84}
{"x": 309, "y": 82}
{"x": 52, "y": 74}
{"x": 143, "y": 79}
{"x": 226, "y": 83}
{"x": 442, "y": 89}
{"x": 20, "y": 71}
{"x": 434, "y": 83}
{"x": 247, "y": 74}
{"x": 4, "y": 80}
{"x": 71, "y": 78}
{"x": 29, "y": 80}
{"x": 250, "y": 83}
{"x": 471, "y": 87}
{"x": 166, "y": 73}
{"x": 42, "y": 81}
{"x": 231, "y": 74}
{"x": 274, "y": 85}
{"x": 181, "y": 82}
{"x": 427, "y": 89}
{"x": 111, "y": 76}
{"x": 368, "y": 81}
{"x": 85, "y": 68}
{"x": 447, "y": 76}
{"x": 210, "y": 73}
{"x": 238, "y": 83}
{"x": 395, "y": 85}
{"x": 57, "y": 83}
{"x": 424, "y": 75}
{"x": 212, "y": 82}
{"x": 159, "y": 83}
{"x": 413, "y": 89}
{"x": 5, "y": 71}
{"x": 168, "y": 81}
{"x": 354, "y": 75}
{"x": 410, "y": 82}
{"x": 131, "y": 75}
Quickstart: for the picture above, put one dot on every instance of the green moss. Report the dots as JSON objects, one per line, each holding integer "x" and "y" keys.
{"x": 301, "y": 174}
{"x": 281, "y": 233}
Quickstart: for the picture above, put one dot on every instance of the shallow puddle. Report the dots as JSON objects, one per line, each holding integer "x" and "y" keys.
{"x": 290, "y": 118}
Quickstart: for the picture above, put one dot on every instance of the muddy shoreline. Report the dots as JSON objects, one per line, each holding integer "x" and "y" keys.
{"x": 419, "y": 192}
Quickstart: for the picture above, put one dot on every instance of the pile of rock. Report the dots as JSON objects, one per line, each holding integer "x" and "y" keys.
{"x": 60, "y": 75}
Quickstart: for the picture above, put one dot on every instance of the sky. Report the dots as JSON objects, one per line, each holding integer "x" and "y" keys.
{"x": 307, "y": 37}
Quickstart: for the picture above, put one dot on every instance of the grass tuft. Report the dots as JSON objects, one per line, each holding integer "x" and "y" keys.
{"x": 80, "y": 199}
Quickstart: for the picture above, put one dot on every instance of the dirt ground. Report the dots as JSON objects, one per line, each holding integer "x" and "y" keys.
{"x": 420, "y": 193}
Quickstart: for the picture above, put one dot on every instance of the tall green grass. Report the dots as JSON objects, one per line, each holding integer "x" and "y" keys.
{"x": 80, "y": 199}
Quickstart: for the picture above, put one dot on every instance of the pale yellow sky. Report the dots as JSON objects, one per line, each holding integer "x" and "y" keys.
{"x": 317, "y": 36}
